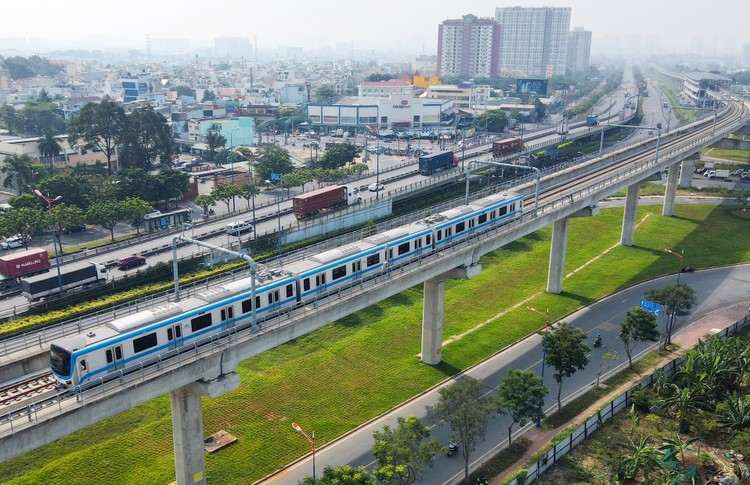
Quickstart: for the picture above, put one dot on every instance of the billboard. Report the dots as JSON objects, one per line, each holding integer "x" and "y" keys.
{"x": 526, "y": 86}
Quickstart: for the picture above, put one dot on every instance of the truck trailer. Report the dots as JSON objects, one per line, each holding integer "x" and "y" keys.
{"x": 43, "y": 285}
{"x": 328, "y": 198}
{"x": 24, "y": 263}
{"x": 504, "y": 147}
{"x": 437, "y": 162}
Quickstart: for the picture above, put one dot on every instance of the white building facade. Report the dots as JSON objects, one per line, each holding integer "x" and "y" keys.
{"x": 468, "y": 47}
{"x": 384, "y": 113}
{"x": 579, "y": 50}
{"x": 534, "y": 41}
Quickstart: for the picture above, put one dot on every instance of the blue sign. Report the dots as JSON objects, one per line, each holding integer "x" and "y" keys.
{"x": 651, "y": 307}
{"x": 276, "y": 176}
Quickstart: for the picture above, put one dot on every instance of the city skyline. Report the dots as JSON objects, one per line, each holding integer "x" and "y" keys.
{"x": 662, "y": 27}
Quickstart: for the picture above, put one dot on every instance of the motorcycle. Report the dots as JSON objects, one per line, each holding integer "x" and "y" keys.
{"x": 452, "y": 448}
{"x": 598, "y": 342}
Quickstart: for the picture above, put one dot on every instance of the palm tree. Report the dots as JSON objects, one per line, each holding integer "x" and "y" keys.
{"x": 18, "y": 172}
{"x": 49, "y": 147}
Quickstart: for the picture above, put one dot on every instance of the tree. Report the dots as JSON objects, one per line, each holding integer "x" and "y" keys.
{"x": 494, "y": 121}
{"x": 682, "y": 403}
{"x": 521, "y": 396}
{"x": 185, "y": 91}
{"x": 24, "y": 221}
{"x": 226, "y": 157}
{"x": 134, "y": 209}
{"x": 639, "y": 326}
{"x": 147, "y": 138}
{"x": 106, "y": 214}
{"x": 605, "y": 364}
{"x": 540, "y": 109}
{"x": 402, "y": 452}
{"x": 337, "y": 155}
{"x": 467, "y": 410}
{"x": 678, "y": 300}
{"x": 205, "y": 202}
{"x": 99, "y": 126}
{"x": 49, "y": 147}
{"x": 38, "y": 116}
{"x": 247, "y": 192}
{"x": 325, "y": 93}
{"x": 76, "y": 190}
{"x": 214, "y": 140}
{"x": 272, "y": 159}
{"x": 743, "y": 198}
{"x": 225, "y": 193}
{"x": 343, "y": 475}
{"x": 567, "y": 353}
{"x": 638, "y": 458}
{"x": 67, "y": 215}
{"x": 10, "y": 119}
{"x": 18, "y": 172}
{"x": 208, "y": 96}
{"x": 171, "y": 184}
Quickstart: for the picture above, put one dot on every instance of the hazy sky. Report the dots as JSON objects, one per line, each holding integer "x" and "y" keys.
{"x": 665, "y": 25}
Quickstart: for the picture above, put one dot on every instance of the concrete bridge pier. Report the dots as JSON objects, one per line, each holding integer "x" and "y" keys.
{"x": 433, "y": 311}
{"x": 558, "y": 248}
{"x": 670, "y": 193}
{"x": 686, "y": 172}
{"x": 628, "y": 218}
{"x": 187, "y": 426}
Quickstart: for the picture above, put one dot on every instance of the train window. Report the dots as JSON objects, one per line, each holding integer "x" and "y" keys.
{"x": 428, "y": 240}
{"x": 417, "y": 243}
{"x": 482, "y": 218}
{"x": 440, "y": 235}
{"x": 247, "y": 305}
{"x": 492, "y": 215}
{"x": 118, "y": 351}
{"x": 390, "y": 253}
{"x": 460, "y": 227}
{"x": 306, "y": 284}
{"x": 403, "y": 248}
{"x": 373, "y": 259}
{"x": 257, "y": 301}
{"x": 512, "y": 207}
{"x": 273, "y": 296}
{"x": 289, "y": 290}
{"x": 338, "y": 273}
{"x": 83, "y": 364}
{"x": 320, "y": 280}
{"x": 448, "y": 232}
{"x": 200, "y": 322}
{"x": 109, "y": 356}
{"x": 503, "y": 211}
{"x": 223, "y": 315}
{"x": 146, "y": 342}
{"x": 471, "y": 223}
{"x": 230, "y": 311}
{"x": 227, "y": 313}
{"x": 356, "y": 266}
{"x": 117, "y": 354}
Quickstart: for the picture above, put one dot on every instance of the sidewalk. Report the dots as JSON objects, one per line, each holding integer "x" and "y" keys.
{"x": 685, "y": 339}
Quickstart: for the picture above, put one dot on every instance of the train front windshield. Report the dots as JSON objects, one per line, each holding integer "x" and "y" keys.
{"x": 59, "y": 360}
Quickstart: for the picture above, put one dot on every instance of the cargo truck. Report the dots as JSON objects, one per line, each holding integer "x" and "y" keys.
{"x": 24, "y": 263}
{"x": 509, "y": 145}
{"x": 43, "y": 285}
{"x": 325, "y": 199}
{"x": 437, "y": 162}
{"x": 716, "y": 174}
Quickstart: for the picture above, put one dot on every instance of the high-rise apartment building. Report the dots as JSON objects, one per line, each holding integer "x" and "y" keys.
{"x": 746, "y": 55}
{"x": 232, "y": 47}
{"x": 579, "y": 50}
{"x": 468, "y": 47}
{"x": 534, "y": 41}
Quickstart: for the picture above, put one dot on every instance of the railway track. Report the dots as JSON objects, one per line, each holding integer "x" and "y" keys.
{"x": 29, "y": 389}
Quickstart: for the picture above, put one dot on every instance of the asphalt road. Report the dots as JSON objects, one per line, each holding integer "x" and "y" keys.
{"x": 715, "y": 289}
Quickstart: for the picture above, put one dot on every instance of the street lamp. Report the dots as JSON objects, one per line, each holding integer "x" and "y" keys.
{"x": 311, "y": 439}
{"x": 278, "y": 210}
{"x": 681, "y": 256}
{"x": 544, "y": 346}
{"x": 49, "y": 202}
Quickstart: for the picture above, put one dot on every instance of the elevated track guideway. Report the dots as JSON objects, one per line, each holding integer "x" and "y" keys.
{"x": 208, "y": 369}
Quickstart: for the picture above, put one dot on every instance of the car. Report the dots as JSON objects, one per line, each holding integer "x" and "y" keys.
{"x": 13, "y": 242}
{"x": 76, "y": 228}
{"x": 126, "y": 262}
{"x": 375, "y": 187}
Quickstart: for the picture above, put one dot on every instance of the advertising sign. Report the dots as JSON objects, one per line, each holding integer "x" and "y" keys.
{"x": 527, "y": 86}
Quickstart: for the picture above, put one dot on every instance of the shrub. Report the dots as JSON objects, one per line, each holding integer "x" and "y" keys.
{"x": 740, "y": 442}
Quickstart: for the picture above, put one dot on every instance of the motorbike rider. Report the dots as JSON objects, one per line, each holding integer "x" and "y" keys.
{"x": 598, "y": 341}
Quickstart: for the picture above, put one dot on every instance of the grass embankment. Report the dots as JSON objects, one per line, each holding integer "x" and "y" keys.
{"x": 358, "y": 367}
{"x": 742, "y": 156}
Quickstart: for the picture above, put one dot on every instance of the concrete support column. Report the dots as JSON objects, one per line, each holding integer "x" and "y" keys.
{"x": 557, "y": 256}
{"x": 432, "y": 321}
{"x": 686, "y": 173}
{"x": 671, "y": 191}
{"x": 433, "y": 310}
{"x": 628, "y": 218}
{"x": 187, "y": 426}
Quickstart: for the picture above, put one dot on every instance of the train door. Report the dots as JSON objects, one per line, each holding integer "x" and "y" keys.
{"x": 174, "y": 336}
{"x": 114, "y": 357}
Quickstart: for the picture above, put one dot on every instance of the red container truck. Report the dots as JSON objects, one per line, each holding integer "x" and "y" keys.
{"x": 327, "y": 198}
{"x": 509, "y": 145}
{"x": 24, "y": 263}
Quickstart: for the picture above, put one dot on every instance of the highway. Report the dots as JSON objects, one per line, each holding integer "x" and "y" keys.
{"x": 715, "y": 289}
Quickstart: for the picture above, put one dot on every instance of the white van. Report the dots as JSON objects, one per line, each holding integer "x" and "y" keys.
{"x": 238, "y": 227}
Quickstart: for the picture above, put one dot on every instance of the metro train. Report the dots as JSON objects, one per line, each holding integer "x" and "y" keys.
{"x": 159, "y": 332}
